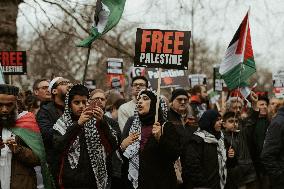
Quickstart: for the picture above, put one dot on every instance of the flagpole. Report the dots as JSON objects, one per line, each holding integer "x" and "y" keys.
{"x": 241, "y": 68}
{"x": 158, "y": 96}
{"x": 86, "y": 64}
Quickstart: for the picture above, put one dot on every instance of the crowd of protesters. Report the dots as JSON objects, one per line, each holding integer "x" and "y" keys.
{"x": 62, "y": 135}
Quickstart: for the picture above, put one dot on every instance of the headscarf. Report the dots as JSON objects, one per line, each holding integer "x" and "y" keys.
{"x": 149, "y": 118}
{"x": 208, "y": 133}
{"x": 95, "y": 148}
{"x": 132, "y": 151}
{"x": 207, "y": 122}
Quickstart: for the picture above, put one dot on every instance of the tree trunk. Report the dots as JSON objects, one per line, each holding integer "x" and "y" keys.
{"x": 8, "y": 28}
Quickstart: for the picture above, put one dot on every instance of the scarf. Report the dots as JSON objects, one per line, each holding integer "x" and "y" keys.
{"x": 95, "y": 148}
{"x": 221, "y": 152}
{"x": 132, "y": 151}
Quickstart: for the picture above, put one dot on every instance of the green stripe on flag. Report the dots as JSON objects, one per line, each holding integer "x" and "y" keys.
{"x": 236, "y": 78}
{"x": 34, "y": 141}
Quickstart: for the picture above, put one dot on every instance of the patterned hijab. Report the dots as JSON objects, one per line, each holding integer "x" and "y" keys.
{"x": 132, "y": 151}
{"x": 95, "y": 148}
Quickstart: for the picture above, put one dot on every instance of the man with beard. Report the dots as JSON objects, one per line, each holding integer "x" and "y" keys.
{"x": 199, "y": 101}
{"x": 49, "y": 113}
{"x": 21, "y": 144}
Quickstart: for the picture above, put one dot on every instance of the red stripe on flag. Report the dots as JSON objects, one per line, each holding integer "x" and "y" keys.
{"x": 248, "y": 49}
{"x": 240, "y": 46}
{"x": 28, "y": 121}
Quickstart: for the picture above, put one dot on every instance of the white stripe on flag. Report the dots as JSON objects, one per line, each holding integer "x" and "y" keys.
{"x": 2, "y": 81}
{"x": 103, "y": 18}
{"x": 231, "y": 59}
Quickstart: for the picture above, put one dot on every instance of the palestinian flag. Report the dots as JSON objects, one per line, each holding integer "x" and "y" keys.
{"x": 27, "y": 129}
{"x": 2, "y": 80}
{"x": 107, "y": 15}
{"x": 238, "y": 64}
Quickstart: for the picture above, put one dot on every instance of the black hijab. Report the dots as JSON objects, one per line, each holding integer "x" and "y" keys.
{"x": 149, "y": 118}
{"x": 207, "y": 122}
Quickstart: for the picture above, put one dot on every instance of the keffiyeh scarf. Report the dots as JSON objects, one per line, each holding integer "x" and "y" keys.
{"x": 95, "y": 149}
{"x": 132, "y": 151}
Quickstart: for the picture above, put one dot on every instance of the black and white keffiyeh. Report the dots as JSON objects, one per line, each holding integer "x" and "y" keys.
{"x": 132, "y": 151}
{"x": 221, "y": 151}
{"x": 95, "y": 149}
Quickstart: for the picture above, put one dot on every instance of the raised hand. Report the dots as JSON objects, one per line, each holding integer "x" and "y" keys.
{"x": 129, "y": 140}
{"x": 12, "y": 144}
{"x": 98, "y": 113}
{"x": 85, "y": 116}
{"x": 157, "y": 130}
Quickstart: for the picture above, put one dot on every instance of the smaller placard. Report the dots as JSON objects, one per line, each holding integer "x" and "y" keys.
{"x": 13, "y": 62}
{"x": 114, "y": 66}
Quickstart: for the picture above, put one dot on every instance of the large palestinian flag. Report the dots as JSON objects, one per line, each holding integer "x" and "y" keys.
{"x": 27, "y": 129}
{"x": 238, "y": 64}
{"x": 107, "y": 15}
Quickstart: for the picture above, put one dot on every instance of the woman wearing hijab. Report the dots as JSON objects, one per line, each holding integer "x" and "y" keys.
{"x": 150, "y": 148}
{"x": 83, "y": 143}
{"x": 204, "y": 160}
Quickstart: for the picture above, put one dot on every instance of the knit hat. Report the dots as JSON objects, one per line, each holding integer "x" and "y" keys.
{"x": 178, "y": 92}
{"x": 9, "y": 89}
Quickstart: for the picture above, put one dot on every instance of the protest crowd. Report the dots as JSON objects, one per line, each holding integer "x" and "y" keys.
{"x": 63, "y": 135}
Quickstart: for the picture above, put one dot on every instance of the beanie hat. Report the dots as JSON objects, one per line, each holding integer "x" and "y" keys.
{"x": 178, "y": 92}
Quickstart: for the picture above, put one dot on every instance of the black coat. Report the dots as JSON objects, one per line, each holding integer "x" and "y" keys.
{"x": 156, "y": 166}
{"x": 234, "y": 175}
{"x": 186, "y": 130}
{"x": 273, "y": 151}
{"x": 200, "y": 166}
{"x": 83, "y": 176}
{"x": 46, "y": 117}
{"x": 254, "y": 137}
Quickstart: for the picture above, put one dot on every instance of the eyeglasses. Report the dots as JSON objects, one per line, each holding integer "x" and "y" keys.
{"x": 97, "y": 98}
{"x": 180, "y": 100}
{"x": 138, "y": 85}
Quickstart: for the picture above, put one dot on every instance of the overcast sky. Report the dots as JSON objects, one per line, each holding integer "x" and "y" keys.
{"x": 214, "y": 20}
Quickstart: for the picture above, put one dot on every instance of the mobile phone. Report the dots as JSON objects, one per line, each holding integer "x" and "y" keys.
{"x": 94, "y": 103}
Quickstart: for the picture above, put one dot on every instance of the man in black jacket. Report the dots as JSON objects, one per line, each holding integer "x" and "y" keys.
{"x": 179, "y": 115}
{"x": 49, "y": 113}
{"x": 273, "y": 151}
{"x": 254, "y": 129}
